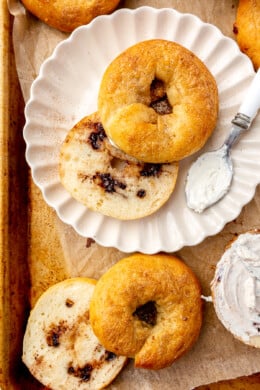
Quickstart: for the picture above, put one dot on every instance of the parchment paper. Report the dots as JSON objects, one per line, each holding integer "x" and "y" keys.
{"x": 217, "y": 355}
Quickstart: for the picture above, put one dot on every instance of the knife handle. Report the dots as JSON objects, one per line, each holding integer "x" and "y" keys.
{"x": 251, "y": 103}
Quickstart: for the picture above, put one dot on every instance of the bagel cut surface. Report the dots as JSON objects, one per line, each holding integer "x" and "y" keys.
{"x": 158, "y": 102}
{"x": 108, "y": 181}
{"x": 59, "y": 348}
{"x": 234, "y": 287}
{"x": 147, "y": 307}
{"x": 66, "y": 15}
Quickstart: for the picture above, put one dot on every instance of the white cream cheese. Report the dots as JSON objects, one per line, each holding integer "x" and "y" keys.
{"x": 208, "y": 180}
{"x": 236, "y": 289}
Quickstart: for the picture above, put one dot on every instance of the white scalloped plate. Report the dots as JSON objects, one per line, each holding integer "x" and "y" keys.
{"x": 66, "y": 90}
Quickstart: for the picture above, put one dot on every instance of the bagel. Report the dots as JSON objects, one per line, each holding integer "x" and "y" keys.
{"x": 234, "y": 288}
{"x": 247, "y": 29}
{"x": 147, "y": 307}
{"x": 106, "y": 180}
{"x": 66, "y": 15}
{"x": 158, "y": 102}
{"x": 59, "y": 346}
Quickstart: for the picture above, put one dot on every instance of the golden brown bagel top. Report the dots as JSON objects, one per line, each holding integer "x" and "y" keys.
{"x": 247, "y": 29}
{"x": 66, "y": 15}
{"x": 158, "y": 102}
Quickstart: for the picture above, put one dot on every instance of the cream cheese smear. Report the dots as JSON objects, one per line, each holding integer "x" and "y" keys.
{"x": 236, "y": 288}
{"x": 208, "y": 180}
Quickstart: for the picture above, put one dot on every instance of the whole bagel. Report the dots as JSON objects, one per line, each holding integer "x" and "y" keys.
{"x": 158, "y": 102}
{"x": 108, "y": 181}
{"x": 66, "y": 15}
{"x": 147, "y": 307}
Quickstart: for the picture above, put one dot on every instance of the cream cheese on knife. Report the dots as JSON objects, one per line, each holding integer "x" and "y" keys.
{"x": 208, "y": 180}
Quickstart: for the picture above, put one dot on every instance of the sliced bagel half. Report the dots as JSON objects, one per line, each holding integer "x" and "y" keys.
{"x": 59, "y": 346}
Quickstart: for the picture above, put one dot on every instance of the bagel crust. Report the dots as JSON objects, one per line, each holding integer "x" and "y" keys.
{"x": 108, "y": 181}
{"x": 59, "y": 346}
{"x": 147, "y": 307}
{"x": 247, "y": 29}
{"x": 66, "y": 15}
{"x": 158, "y": 102}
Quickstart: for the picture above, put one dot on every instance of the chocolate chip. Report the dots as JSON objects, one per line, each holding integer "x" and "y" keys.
{"x": 109, "y": 183}
{"x": 97, "y": 136}
{"x": 71, "y": 370}
{"x": 109, "y": 356}
{"x": 141, "y": 193}
{"x": 120, "y": 185}
{"x": 69, "y": 302}
{"x": 54, "y": 333}
{"x": 53, "y": 339}
{"x": 151, "y": 170}
{"x": 84, "y": 373}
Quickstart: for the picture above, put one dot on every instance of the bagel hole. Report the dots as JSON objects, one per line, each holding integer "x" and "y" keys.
{"x": 159, "y": 98}
{"x": 147, "y": 313}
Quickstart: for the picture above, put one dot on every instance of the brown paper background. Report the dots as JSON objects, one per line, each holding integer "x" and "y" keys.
{"x": 216, "y": 355}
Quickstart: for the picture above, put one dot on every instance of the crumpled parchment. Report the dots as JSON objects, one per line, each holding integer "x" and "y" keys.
{"x": 217, "y": 355}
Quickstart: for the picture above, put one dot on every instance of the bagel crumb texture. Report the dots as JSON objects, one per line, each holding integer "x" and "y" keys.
{"x": 147, "y": 307}
{"x": 60, "y": 348}
{"x": 158, "y": 101}
{"x": 107, "y": 180}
